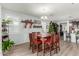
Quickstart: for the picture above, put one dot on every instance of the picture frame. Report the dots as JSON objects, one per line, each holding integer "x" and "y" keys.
{"x": 37, "y": 22}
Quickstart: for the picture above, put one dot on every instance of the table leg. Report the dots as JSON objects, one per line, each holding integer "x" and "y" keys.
{"x": 50, "y": 50}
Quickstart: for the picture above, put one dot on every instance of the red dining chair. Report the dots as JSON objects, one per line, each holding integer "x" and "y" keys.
{"x": 57, "y": 42}
{"x": 48, "y": 44}
{"x": 52, "y": 43}
{"x": 30, "y": 39}
{"x": 36, "y": 42}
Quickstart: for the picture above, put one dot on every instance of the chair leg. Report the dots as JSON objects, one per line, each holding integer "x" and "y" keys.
{"x": 56, "y": 48}
{"x": 37, "y": 49}
{"x": 50, "y": 50}
{"x": 59, "y": 48}
{"x": 44, "y": 50}
{"x": 32, "y": 48}
{"x": 40, "y": 48}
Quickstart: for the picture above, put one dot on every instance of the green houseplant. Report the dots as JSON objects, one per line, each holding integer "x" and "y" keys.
{"x": 53, "y": 27}
{"x": 6, "y": 21}
{"x": 6, "y": 45}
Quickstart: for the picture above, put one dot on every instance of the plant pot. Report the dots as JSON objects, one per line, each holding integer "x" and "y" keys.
{"x": 8, "y": 51}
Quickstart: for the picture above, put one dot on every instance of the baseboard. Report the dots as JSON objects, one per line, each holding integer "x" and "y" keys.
{"x": 21, "y": 43}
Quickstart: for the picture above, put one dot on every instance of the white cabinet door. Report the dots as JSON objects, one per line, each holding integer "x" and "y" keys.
{"x": 73, "y": 37}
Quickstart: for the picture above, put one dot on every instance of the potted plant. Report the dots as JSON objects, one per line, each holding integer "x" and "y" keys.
{"x": 6, "y": 21}
{"x": 53, "y": 27}
{"x": 7, "y": 45}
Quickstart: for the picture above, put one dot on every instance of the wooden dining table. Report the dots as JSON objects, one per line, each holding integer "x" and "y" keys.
{"x": 43, "y": 38}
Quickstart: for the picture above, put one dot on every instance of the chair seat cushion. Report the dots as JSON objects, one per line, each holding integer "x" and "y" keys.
{"x": 48, "y": 42}
{"x": 37, "y": 41}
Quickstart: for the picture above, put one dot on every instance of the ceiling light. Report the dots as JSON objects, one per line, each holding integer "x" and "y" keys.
{"x": 44, "y": 9}
{"x": 44, "y": 17}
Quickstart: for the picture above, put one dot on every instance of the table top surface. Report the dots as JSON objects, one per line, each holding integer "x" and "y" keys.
{"x": 44, "y": 35}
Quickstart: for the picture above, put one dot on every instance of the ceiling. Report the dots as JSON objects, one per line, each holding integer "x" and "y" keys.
{"x": 45, "y": 9}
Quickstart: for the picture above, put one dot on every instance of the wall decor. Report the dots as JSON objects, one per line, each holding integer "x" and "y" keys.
{"x": 37, "y": 24}
{"x": 28, "y": 23}
{"x": 32, "y": 23}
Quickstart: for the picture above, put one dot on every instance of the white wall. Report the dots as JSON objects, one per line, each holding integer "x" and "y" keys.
{"x": 17, "y": 32}
{"x": 0, "y": 34}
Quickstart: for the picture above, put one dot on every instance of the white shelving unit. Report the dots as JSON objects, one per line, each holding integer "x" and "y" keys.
{"x": 5, "y": 31}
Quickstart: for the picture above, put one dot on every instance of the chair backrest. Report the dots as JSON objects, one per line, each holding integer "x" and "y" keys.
{"x": 52, "y": 37}
{"x": 56, "y": 37}
{"x": 30, "y": 36}
{"x": 49, "y": 37}
{"x": 30, "y": 39}
{"x": 38, "y": 33}
{"x": 34, "y": 35}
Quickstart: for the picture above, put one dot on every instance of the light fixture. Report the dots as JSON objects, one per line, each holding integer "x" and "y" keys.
{"x": 44, "y": 17}
{"x": 44, "y": 9}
